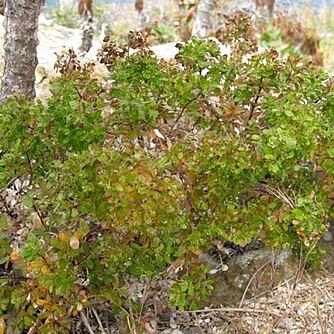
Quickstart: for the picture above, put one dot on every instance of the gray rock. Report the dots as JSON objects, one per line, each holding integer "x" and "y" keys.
{"x": 328, "y": 237}
{"x": 171, "y": 331}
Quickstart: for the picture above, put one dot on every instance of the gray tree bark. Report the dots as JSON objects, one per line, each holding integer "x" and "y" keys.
{"x": 141, "y": 21}
{"x": 87, "y": 24}
{"x": 20, "y": 46}
{"x": 2, "y": 7}
{"x": 141, "y": 17}
{"x": 203, "y": 18}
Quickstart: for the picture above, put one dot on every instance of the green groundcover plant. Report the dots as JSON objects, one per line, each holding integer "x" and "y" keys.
{"x": 127, "y": 178}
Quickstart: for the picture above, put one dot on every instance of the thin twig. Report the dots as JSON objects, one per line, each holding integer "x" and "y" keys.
{"x": 254, "y": 104}
{"x": 278, "y": 193}
{"x": 272, "y": 289}
{"x": 300, "y": 270}
{"x": 302, "y": 264}
{"x": 323, "y": 293}
{"x": 184, "y": 109}
{"x": 98, "y": 320}
{"x": 30, "y": 168}
{"x": 199, "y": 327}
{"x": 3, "y": 200}
{"x": 86, "y": 323}
{"x": 250, "y": 282}
{"x": 30, "y": 182}
{"x": 40, "y": 217}
{"x": 130, "y": 318}
{"x": 143, "y": 300}
{"x": 232, "y": 309}
{"x": 321, "y": 322}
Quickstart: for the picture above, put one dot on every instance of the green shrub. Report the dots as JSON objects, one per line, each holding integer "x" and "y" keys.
{"x": 128, "y": 179}
{"x": 67, "y": 17}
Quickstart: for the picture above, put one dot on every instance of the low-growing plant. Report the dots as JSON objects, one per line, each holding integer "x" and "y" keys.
{"x": 127, "y": 180}
{"x": 67, "y": 17}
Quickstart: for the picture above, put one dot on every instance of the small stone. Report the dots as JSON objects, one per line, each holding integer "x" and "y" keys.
{"x": 172, "y": 331}
{"x": 328, "y": 237}
{"x": 205, "y": 258}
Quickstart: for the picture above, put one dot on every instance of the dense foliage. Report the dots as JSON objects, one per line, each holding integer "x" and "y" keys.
{"x": 125, "y": 179}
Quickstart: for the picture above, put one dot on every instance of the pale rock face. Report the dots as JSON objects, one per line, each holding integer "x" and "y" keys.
{"x": 100, "y": 73}
{"x": 203, "y": 18}
{"x": 165, "y": 51}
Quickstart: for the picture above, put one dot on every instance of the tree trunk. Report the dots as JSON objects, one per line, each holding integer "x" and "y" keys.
{"x": 2, "y": 7}
{"x": 203, "y": 18}
{"x": 268, "y": 4}
{"x": 20, "y": 46}
{"x": 141, "y": 18}
{"x": 87, "y": 24}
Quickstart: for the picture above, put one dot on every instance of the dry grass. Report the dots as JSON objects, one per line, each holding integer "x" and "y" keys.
{"x": 304, "y": 307}
{"x": 323, "y": 24}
